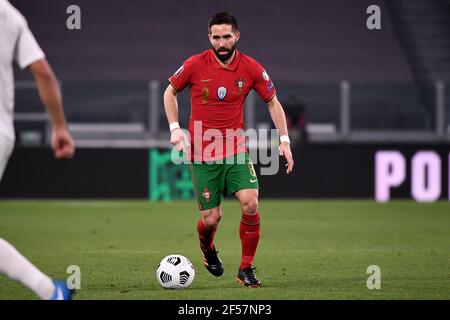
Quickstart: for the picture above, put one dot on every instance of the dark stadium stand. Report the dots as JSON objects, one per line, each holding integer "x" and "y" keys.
{"x": 423, "y": 30}
{"x": 307, "y": 47}
{"x": 141, "y": 41}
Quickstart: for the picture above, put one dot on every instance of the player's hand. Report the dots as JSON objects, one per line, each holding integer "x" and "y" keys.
{"x": 179, "y": 140}
{"x": 285, "y": 150}
{"x": 62, "y": 144}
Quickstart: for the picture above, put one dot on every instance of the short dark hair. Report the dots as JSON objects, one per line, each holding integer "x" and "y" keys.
{"x": 223, "y": 18}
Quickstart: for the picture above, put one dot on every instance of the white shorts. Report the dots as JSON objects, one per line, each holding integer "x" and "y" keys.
{"x": 6, "y": 148}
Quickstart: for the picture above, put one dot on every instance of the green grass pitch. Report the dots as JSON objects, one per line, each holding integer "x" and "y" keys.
{"x": 308, "y": 250}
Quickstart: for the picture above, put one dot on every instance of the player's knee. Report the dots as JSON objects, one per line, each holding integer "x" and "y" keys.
{"x": 211, "y": 218}
{"x": 211, "y": 221}
{"x": 250, "y": 206}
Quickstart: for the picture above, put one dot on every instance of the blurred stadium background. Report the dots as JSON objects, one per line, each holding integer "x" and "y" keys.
{"x": 349, "y": 92}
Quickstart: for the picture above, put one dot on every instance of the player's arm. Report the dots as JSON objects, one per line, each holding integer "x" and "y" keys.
{"x": 171, "y": 104}
{"x": 177, "y": 137}
{"x": 279, "y": 119}
{"x": 62, "y": 143}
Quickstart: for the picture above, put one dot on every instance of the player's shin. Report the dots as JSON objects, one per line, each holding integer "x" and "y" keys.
{"x": 17, "y": 267}
{"x": 249, "y": 232}
{"x": 206, "y": 235}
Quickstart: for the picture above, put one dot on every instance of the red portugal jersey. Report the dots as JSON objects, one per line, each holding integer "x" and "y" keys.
{"x": 217, "y": 95}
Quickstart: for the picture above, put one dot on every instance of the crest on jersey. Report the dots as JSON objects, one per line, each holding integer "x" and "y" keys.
{"x": 178, "y": 72}
{"x": 240, "y": 84}
{"x": 221, "y": 92}
{"x": 206, "y": 194}
{"x": 265, "y": 75}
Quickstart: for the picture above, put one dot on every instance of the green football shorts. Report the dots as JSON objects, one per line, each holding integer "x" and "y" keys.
{"x": 211, "y": 181}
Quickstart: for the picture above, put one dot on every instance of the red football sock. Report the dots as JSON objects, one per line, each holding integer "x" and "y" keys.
{"x": 249, "y": 232}
{"x": 206, "y": 236}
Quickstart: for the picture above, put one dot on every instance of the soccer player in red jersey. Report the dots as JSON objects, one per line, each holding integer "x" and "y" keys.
{"x": 219, "y": 80}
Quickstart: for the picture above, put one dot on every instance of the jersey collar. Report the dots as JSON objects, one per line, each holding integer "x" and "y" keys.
{"x": 232, "y": 66}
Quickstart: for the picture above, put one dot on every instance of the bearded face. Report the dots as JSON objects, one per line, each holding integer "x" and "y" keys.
{"x": 223, "y": 41}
